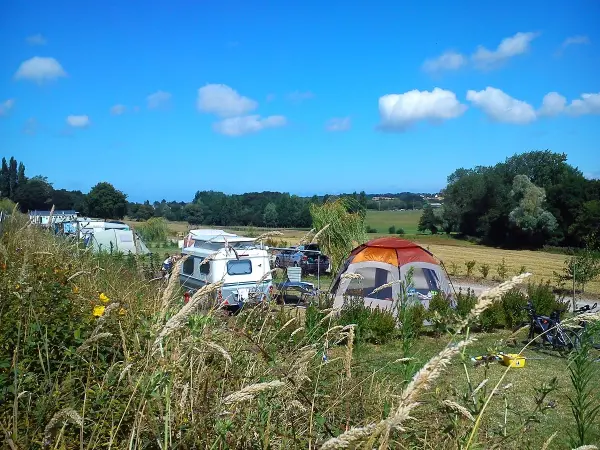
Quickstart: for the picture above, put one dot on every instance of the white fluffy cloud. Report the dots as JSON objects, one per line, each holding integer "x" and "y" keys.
{"x": 400, "y": 111}
{"x": 587, "y": 104}
{"x": 501, "y": 107}
{"x": 6, "y": 106}
{"x": 36, "y": 39}
{"x": 449, "y": 60}
{"x": 224, "y": 101}
{"x": 238, "y": 126}
{"x": 554, "y": 104}
{"x": 159, "y": 99}
{"x": 40, "y": 69}
{"x": 338, "y": 124}
{"x": 117, "y": 110}
{"x": 509, "y": 47}
{"x": 78, "y": 121}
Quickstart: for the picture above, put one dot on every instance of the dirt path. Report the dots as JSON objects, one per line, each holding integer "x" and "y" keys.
{"x": 478, "y": 287}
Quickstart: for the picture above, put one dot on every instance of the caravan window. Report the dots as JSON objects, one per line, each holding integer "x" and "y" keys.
{"x": 188, "y": 266}
{"x": 373, "y": 278}
{"x": 239, "y": 267}
{"x": 204, "y": 268}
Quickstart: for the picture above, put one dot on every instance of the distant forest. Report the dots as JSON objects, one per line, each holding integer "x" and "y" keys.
{"x": 529, "y": 200}
{"x": 260, "y": 209}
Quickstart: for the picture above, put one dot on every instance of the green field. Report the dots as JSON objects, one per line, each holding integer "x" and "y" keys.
{"x": 383, "y": 220}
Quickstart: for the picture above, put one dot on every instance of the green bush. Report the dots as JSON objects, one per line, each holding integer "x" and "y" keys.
{"x": 440, "y": 312}
{"x": 370, "y": 229}
{"x": 453, "y": 268}
{"x": 484, "y": 269}
{"x": 355, "y": 312}
{"x": 392, "y": 229}
{"x": 465, "y": 301}
{"x": 414, "y": 315}
{"x": 371, "y": 325}
{"x": 154, "y": 230}
{"x": 492, "y": 317}
{"x": 502, "y": 270}
{"x": 513, "y": 303}
{"x": 470, "y": 265}
{"x": 400, "y": 231}
{"x": 381, "y": 326}
{"x": 543, "y": 299}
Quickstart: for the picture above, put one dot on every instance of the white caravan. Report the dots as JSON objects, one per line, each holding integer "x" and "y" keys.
{"x": 240, "y": 262}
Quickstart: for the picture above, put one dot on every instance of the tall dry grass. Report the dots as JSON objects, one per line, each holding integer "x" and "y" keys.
{"x": 93, "y": 355}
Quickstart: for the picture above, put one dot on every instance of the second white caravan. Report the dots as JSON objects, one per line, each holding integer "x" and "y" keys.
{"x": 240, "y": 262}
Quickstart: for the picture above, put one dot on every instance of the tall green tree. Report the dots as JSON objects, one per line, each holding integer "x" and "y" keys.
{"x": 12, "y": 177}
{"x": 21, "y": 174}
{"x": 192, "y": 213}
{"x": 34, "y": 194}
{"x": 529, "y": 218}
{"x": 106, "y": 202}
{"x": 429, "y": 221}
{"x": 4, "y": 180}
{"x": 270, "y": 215}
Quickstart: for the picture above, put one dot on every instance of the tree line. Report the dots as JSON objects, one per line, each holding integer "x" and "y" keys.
{"x": 528, "y": 201}
{"x": 260, "y": 209}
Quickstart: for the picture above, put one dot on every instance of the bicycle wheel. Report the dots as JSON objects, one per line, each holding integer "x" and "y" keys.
{"x": 567, "y": 340}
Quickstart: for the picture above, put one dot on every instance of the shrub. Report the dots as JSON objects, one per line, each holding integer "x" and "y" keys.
{"x": 543, "y": 298}
{"x": 440, "y": 312}
{"x": 371, "y": 325}
{"x": 513, "y": 303}
{"x": 400, "y": 231}
{"x": 492, "y": 317}
{"x": 465, "y": 301}
{"x": 392, "y": 229}
{"x": 484, "y": 269}
{"x": 355, "y": 312}
{"x": 453, "y": 268}
{"x": 6, "y": 205}
{"x": 370, "y": 229}
{"x": 381, "y": 326}
{"x": 521, "y": 270}
{"x": 502, "y": 270}
{"x": 470, "y": 266}
{"x": 155, "y": 229}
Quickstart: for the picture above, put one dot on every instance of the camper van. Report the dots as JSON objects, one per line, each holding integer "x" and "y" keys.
{"x": 240, "y": 262}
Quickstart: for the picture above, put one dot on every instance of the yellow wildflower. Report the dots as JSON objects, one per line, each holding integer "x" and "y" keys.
{"x": 17, "y": 286}
{"x": 103, "y": 298}
{"x": 122, "y": 312}
{"x": 56, "y": 270}
{"x": 98, "y": 310}
{"x": 75, "y": 290}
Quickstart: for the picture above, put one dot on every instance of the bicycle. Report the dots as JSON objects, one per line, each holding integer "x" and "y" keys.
{"x": 549, "y": 330}
{"x": 594, "y": 338}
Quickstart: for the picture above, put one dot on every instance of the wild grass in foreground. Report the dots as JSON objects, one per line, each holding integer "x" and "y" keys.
{"x": 93, "y": 355}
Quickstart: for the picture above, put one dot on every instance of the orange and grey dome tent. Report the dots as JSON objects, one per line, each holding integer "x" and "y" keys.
{"x": 387, "y": 261}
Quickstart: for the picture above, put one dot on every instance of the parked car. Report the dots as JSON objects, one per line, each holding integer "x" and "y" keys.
{"x": 308, "y": 257}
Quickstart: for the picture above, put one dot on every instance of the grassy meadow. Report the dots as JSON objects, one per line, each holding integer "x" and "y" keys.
{"x": 382, "y": 220}
{"x": 93, "y": 355}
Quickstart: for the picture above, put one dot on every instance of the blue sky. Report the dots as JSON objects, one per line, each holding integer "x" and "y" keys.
{"x": 166, "y": 98}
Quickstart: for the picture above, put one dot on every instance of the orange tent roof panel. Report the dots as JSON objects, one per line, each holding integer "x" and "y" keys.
{"x": 392, "y": 250}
